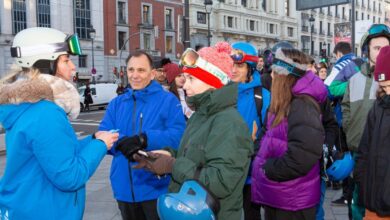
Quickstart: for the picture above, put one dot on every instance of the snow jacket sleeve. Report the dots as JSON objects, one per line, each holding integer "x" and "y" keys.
{"x": 330, "y": 124}
{"x": 305, "y": 139}
{"x": 346, "y": 110}
{"x": 173, "y": 129}
{"x": 227, "y": 156}
{"x": 65, "y": 163}
{"x": 108, "y": 123}
{"x": 361, "y": 157}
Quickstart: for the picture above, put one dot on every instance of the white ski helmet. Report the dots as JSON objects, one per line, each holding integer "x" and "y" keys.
{"x": 39, "y": 43}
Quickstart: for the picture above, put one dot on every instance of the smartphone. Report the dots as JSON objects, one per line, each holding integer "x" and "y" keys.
{"x": 146, "y": 155}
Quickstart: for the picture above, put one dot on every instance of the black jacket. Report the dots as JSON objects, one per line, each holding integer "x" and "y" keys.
{"x": 372, "y": 169}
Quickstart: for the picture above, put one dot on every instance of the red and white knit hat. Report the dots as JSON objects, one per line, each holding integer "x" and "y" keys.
{"x": 219, "y": 57}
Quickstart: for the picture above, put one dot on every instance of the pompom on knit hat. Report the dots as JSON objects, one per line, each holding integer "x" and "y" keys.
{"x": 382, "y": 66}
{"x": 219, "y": 56}
{"x": 172, "y": 70}
{"x": 284, "y": 65}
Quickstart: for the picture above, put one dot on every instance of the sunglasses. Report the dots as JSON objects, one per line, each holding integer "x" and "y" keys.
{"x": 71, "y": 46}
{"x": 378, "y": 29}
{"x": 191, "y": 59}
{"x": 239, "y": 56}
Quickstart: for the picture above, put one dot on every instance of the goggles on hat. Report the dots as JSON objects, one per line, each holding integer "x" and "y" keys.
{"x": 191, "y": 59}
{"x": 71, "y": 46}
{"x": 289, "y": 67}
{"x": 378, "y": 29}
{"x": 239, "y": 56}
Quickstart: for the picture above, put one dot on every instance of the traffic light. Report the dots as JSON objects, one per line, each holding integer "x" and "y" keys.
{"x": 323, "y": 53}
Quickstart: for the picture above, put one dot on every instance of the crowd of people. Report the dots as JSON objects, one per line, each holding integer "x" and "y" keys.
{"x": 223, "y": 134}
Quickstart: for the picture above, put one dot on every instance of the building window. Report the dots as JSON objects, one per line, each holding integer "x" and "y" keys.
{"x": 230, "y": 21}
{"x": 147, "y": 39}
{"x": 18, "y": 16}
{"x": 122, "y": 12}
{"x": 290, "y": 31}
{"x": 368, "y": 17}
{"x": 321, "y": 27}
{"x": 146, "y": 15}
{"x": 121, "y": 40}
{"x": 356, "y": 16}
{"x": 168, "y": 19}
{"x": 169, "y": 44}
{"x": 252, "y": 25}
{"x": 362, "y": 16}
{"x": 243, "y": 2}
{"x": 82, "y": 18}
{"x": 264, "y": 5}
{"x": 82, "y": 61}
{"x": 373, "y": 17}
{"x": 328, "y": 29}
{"x": 43, "y": 13}
{"x": 201, "y": 17}
{"x": 272, "y": 28}
{"x": 337, "y": 11}
{"x": 287, "y": 7}
{"x": 379, "y": 20}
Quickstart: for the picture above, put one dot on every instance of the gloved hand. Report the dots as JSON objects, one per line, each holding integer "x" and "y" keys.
{"x": 156, "y": 163}
{"x": 130, "y": 145}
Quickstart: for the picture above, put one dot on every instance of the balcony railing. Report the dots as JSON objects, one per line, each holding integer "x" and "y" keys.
{"x": 305, "y": 28}
{"x": 330, "y": 13}
{"x": 337, "y": 16}
{"x": 322, "y": 32}
{"x": 330, "y": 34}
{"x": 322, "y": 11}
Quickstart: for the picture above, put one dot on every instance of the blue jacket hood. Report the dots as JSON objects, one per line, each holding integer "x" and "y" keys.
{"x": 256, "y": 81}
{"x": 10, "y": 113}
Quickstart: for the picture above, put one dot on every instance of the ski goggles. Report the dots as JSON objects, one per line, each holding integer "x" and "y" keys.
{"x": 193, "y": 64}
{"x": 239, "y": 56}
{"x": 292, "y": 69}
{"x": 378, "y": 29}
{"x": 71, "y": 46}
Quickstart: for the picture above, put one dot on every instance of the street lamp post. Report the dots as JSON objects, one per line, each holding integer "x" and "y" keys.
{"x": 208, "y": 6}
{"x": 311, "y": 21}
{"x": 92, "y": 35}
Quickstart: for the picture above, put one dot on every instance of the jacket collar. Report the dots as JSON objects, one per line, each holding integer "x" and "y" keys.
{"x": 213, "y": 101}
{"x": 349, "y": 56}
{"x": 144, "y": 94}
{"x": 255, "y": 82}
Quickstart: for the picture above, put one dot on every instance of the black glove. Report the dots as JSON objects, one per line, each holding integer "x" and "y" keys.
{"x": 130, "y": 145}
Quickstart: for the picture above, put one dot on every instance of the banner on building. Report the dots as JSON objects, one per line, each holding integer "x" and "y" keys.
{"x": 342, "y": 32}
{"x": 311, "y": 4}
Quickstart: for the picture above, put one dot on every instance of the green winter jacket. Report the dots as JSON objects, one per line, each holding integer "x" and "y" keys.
{"x": 218, "y": 140}
{"x": 357, "y": 102}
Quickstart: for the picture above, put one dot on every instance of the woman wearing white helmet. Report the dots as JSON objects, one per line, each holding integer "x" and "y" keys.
{"x": 46, "y": 165}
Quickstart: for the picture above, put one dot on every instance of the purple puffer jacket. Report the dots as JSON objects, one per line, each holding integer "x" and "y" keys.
{"x": 302, "y": 192}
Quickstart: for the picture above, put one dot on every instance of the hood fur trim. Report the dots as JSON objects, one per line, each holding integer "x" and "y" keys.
{"x": 32, "y": 87}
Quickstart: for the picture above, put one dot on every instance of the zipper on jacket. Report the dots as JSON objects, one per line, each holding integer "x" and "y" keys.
{"x": 130, "y": 168}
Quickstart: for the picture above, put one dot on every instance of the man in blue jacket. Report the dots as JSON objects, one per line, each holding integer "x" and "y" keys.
{"x": 148, "y": 118}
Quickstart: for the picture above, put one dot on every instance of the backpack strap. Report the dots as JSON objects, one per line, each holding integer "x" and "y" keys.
{"x": 258, "y": 95}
